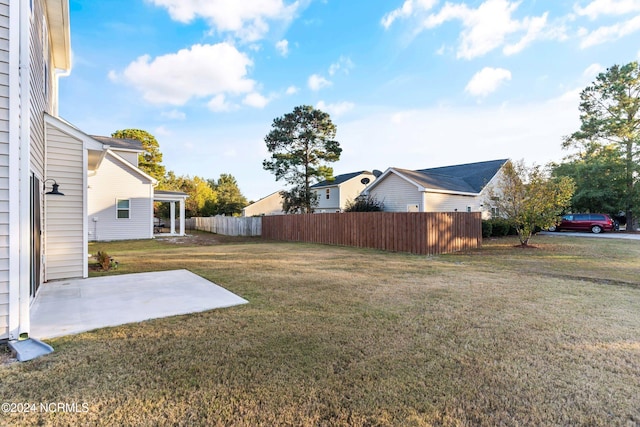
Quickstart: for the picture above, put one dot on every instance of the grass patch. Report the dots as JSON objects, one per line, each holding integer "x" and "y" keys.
{"x": 345, "y": 336}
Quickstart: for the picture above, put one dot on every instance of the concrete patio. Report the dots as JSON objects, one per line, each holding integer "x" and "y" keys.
{"x": 73, "y": 306}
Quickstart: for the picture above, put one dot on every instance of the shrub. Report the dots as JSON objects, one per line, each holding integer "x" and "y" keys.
{"x": 500, "y": 227}
{"x": 104, "y": 260}
{"x": 487, "y": 228}
{"x": 364, "y": 204}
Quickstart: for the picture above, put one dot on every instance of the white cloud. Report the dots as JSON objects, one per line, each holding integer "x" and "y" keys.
{"x": 593, "y": 70}
{"x": 317, "y": 82}
{"x": 283, "y": 47}
{"x": 487, "y": 81}
{"x": 292, "y": 90}
{"x": 488, "y": 27}
{"x": 335, "y": 109}
{"x": 201, "y": 71}
{"x": 247, "y": 20}
{"x": 174, "y": 115}
{"x": 343, "y": 64}
{"x": 408, "y": 8}
{"x": 255, "y": 100}
{"x": 219, "y": 104}
{"x": 113, "y": 76}
{"x": 534, "y": 29}
{"x": 607, "y": 7}
{"x": 611, "y": 33}
{"x": 162, "y": 131}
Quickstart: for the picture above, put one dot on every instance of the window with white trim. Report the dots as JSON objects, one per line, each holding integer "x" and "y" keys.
{"x": 123, "y": 210}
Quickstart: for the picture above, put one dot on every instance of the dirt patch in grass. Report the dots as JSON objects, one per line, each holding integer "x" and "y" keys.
{"x": 6, "y": 355}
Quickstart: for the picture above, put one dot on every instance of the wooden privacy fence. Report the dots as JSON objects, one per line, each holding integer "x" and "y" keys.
{"x": 426, "y": 233}
{"x": 229, "y": 225}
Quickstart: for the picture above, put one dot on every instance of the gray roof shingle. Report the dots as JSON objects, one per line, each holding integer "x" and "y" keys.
{"x": 338, "y": 179}
{"x": 466, "y": 178}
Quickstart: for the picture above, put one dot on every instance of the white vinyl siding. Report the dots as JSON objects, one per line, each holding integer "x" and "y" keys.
{"x": 40, "y": 97}
{"x": 4, "y": 169}
{"x": 341, "y": 194}
{"x": 438, "y": 202}
{"x": 270, "y": 205}
{"x": 116, "y": 181}
{"x": 396, "y": 193}
{"x": 351, "y": 189}
{"x": 128, "y": 156}
{"x": 65, "y": 251}
{"x": 332, "y": 204}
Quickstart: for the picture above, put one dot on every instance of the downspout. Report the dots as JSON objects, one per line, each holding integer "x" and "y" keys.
{"x": 14, "y": 170}
{"x": 25, "y": 168}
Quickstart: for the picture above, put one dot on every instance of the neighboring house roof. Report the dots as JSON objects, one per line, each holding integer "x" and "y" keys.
{"x": 120, "y": 143}
{"x": 476, "y": 175}
{"x": 468, "y": 178}
{"x": 339, "y": 179}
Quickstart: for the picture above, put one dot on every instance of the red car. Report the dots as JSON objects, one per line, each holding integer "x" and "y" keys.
{"x": 594, "y": 222}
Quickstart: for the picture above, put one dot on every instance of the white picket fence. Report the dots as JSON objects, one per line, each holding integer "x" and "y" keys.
{"x": 228, "y": 225}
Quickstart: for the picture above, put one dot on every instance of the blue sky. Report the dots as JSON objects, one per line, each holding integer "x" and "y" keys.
{"x": 408, "y": 83}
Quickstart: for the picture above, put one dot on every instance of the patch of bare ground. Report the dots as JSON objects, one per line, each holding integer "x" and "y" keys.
{"x": 6, "y": 356}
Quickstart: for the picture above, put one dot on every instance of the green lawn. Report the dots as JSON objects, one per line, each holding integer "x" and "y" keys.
{"x": 345, "y": 336}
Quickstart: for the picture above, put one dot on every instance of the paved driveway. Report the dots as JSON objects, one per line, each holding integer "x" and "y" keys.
{"x": 610, "y": 235}
{"x": 73, "y": 306}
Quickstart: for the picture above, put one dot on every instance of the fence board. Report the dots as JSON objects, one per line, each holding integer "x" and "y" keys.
{"x": 426, "y": 233}
{"x": 227, "y": 225}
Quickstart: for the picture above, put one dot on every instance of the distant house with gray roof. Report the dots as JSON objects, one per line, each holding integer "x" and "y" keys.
{"x": 457, "y": 188}
{"x": 335, "y": 194}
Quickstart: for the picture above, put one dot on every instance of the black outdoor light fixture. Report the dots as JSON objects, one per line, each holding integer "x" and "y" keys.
{"x": 54, "y": 190}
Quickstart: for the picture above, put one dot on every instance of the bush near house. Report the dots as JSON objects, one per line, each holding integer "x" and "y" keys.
{"x": 498, "y": 227}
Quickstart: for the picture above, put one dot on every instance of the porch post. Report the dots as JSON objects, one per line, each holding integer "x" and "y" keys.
{"x": 173, "y": 217}
{"x": 182, "y": 217}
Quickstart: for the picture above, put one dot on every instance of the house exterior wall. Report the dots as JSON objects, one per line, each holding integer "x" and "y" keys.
{"x": 114, "y": 181}
{"x": 351, "y": 189}
{"x": 439, "y": 202}
{"x": 64, "y": 246}
{"x": 483, "y": 198}
{"x": 341, "y": 194}
{"x": 4, "y": 168}
{"x": 269, "y": 205}
{"x": 128, "y": 156}
{"x": 332, "y": 204}
{"x": 41, "y": 85}
{"x": 396, "y": 194}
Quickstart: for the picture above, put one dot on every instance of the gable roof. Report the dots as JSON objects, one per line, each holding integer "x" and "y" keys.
{"x": 338, "y": 179}
{"x": 475, "y": 175}
{"x": 468, "y": 178}
{"x": 120, "y": 143}
{"x": 132, "y": 168}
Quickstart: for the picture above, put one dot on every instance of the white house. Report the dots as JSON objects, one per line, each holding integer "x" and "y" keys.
{"x": 34, "y": 50}
{"x": 460, "y": 188}
{"x": 334, "y": 195}
{"x": 269, "y": 205}
{"x": 120, "y": 195}
{"x": 47, "y": 166}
